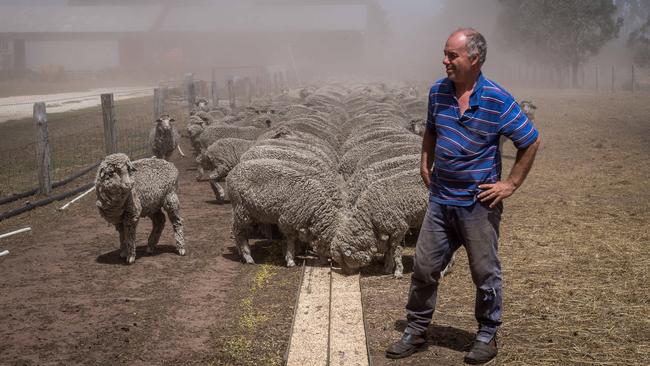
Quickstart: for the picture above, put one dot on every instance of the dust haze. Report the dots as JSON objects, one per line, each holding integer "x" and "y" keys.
{"x": 154, "y": 40}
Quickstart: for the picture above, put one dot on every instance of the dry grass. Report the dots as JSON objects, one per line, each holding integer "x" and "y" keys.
{"x": 574, "y": 247}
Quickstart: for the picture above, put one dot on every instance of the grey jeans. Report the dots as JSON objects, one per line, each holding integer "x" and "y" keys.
{"x": 444, "y": 229}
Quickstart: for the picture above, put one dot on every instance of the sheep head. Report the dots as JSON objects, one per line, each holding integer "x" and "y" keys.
{"x": 354, "y": 243}
{"x": 164, "y": 123}
{"x": 114, "y": 180}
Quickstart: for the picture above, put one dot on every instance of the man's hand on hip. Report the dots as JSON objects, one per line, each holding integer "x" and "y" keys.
{"x": 496, "y": 192}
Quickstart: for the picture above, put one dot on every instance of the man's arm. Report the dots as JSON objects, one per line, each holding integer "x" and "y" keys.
{"x": 503, "y": 189}
{"x": 428, "y": 155}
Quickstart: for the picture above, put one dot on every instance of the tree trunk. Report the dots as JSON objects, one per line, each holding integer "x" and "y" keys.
{"x": 574, "y": 74}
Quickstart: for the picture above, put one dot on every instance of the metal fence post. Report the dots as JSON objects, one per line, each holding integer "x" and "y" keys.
{"x": 42, "y": 149}
{"x": 110, "y": 129}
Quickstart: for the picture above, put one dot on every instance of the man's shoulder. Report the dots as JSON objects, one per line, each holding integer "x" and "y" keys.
{"x": 440, "y": 86}
{"x": 496, "y": 92}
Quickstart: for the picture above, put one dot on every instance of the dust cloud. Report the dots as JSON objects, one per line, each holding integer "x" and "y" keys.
{"x": 153, "y": 40}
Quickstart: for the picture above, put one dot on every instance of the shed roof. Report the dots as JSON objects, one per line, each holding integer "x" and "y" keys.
{"x": 144, "y": 18}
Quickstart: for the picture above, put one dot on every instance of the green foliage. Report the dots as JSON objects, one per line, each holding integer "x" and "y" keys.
{"x": 565, "y": 32}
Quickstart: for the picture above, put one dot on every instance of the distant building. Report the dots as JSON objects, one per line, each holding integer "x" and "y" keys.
{"x": 157, "y": 36}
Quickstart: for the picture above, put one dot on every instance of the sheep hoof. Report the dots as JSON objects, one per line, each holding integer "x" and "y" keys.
{"x": 398, "y": 274}
{"x": 248, "y": 259}
{"x": 291, "y": 263}
{"x": 181, "y": 251}
{"x": 130, "y": 259}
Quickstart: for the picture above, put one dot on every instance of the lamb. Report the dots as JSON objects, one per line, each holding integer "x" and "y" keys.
{"x": 303, "y": 202}
{"x": 164, "y": 138}
{"x": 127, "y": 190}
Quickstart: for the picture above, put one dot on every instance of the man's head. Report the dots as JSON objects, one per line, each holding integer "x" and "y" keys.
{"x": 465, "y": 53}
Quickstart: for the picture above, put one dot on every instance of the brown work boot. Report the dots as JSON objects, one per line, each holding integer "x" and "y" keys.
{"x": 481, "y": 352}
{"x": 408, "y": 345}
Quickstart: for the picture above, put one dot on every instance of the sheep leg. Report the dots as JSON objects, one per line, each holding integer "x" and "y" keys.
{"x": 242, "y": 221}
{"x": 158, "y": 221}
{"x": 393, "y": 257}
{"x": 244, "y": 249}
{"x": 289, "y": 250}
{"x": 129, "y": 239}
{"x": 173, "y": 209}
{"x": 219, "y": 192}
{"x": 120, "y": 229}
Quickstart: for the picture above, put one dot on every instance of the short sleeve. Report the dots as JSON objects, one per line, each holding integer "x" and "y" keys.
{"x": 514, "y": 125}
{"x": 431, "y": 110}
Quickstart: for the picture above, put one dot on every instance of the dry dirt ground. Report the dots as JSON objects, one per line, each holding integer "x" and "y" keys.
{"x": 574, "y": 248}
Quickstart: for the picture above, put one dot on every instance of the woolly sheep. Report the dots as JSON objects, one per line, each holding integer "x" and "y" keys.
{"x": 379, "y": 220}
{"x": 217, "y": 160}
{"x": 215, "y": 132}
{"x": 303, "y": 202}
{"x": 164, "y": 138}
{"x": 127, "y": 190}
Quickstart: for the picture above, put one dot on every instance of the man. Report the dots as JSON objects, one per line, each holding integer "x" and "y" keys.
{"x": 467, "y": 115}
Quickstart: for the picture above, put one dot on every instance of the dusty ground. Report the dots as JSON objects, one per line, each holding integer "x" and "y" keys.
{"x": 574, "y": 248}
{"x": 574, "y": 251}
{"x": 68, "y": 299}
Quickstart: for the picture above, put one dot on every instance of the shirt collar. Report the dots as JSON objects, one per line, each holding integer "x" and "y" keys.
{"x": 475, "y": 97}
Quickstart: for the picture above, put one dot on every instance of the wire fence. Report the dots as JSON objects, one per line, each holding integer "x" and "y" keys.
{"x": 76, "y": 139}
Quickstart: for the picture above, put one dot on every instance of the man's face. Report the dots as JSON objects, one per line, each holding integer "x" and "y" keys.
{"x": 457, "y": 62}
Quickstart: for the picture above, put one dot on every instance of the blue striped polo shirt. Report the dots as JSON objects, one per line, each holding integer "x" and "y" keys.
{"x": 467, "y": 147}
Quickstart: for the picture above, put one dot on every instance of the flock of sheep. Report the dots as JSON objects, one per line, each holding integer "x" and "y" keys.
{"x": 333, "y": 168}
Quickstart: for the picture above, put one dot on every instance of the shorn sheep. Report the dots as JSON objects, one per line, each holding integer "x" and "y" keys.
{"x": 127, "y": 190}
{"x": 164, "y": 138}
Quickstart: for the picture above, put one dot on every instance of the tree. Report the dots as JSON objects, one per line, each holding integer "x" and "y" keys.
{"x": 561, "y": 32}
{"x": 637, "y": 28}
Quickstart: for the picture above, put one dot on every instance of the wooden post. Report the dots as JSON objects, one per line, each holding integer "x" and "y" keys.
{"x": 191, "y": 90}
{"x": 231, "y": 93}
{"x": 110, "y": 129}
{"x": 158, "y": 102}
{"x": 275, "y": 83}
{"x": 248, "y": 85}
{"x": 612, "y": 88}
{"x": 42, "y": 149}
{"x": 214, "y": 91}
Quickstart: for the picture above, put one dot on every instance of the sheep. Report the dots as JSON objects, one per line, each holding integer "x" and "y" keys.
{"x": 127, "y": 190}
{"x": 379, "y": 220}
{"x": 218, "y": 159}
{"x": 302, "y": 201}
{"x": 529, "y": 109}
{"x": 371, "y": 152}
{"x": 215, "y": 132}
{"x": 164, "y": 138}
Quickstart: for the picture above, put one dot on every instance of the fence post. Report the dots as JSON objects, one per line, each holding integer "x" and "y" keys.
{"x": 110, "y": 130}
{"x": 42, "y": 149}
{"x": 231, "y": 93}
{"x": 158, "y": 102}
{"x": 248, "y": 86}
{"x": 191, "y": 90}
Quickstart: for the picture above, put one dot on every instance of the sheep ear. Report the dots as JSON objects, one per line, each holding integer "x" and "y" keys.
{"x": 130, "y": 167}
{"x": 172, "y": 120}
{"x": 158, "y": 120}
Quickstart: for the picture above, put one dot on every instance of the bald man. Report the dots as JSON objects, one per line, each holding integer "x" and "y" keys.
{"x": 461, "y": 166}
